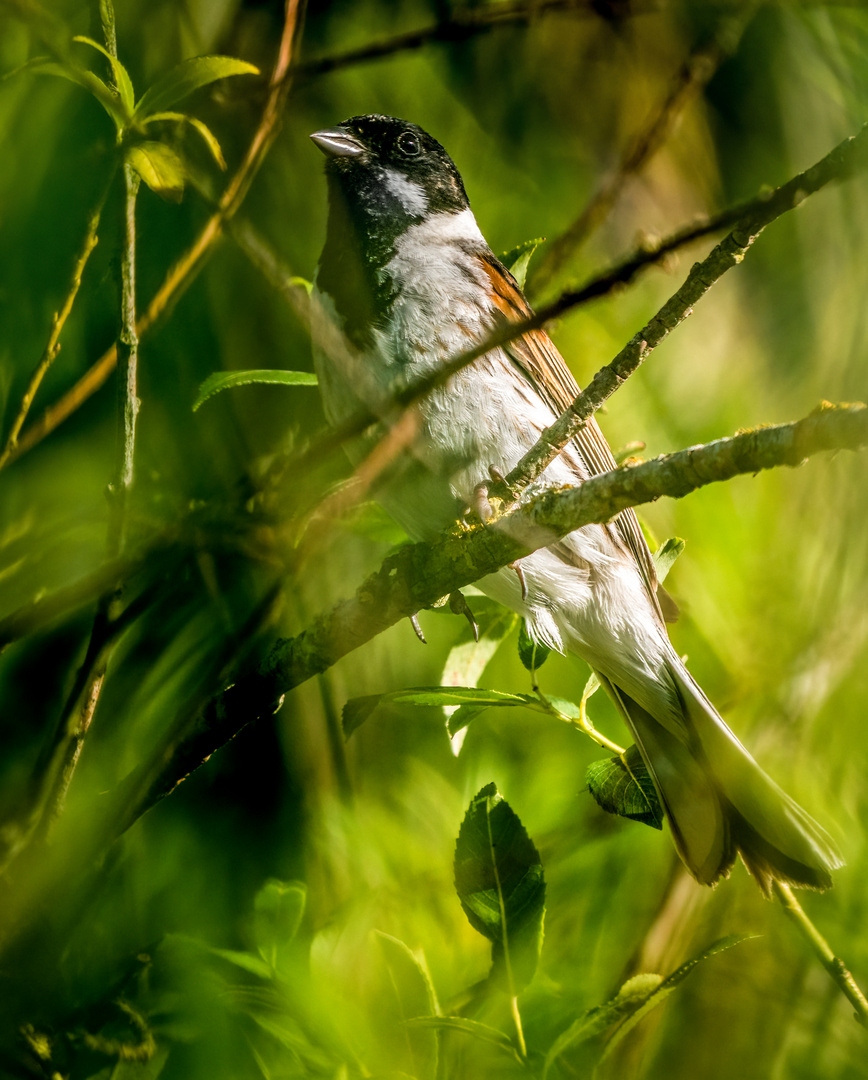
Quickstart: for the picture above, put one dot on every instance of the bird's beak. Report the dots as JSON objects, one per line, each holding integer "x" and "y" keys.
{"x": 336, "y": 142}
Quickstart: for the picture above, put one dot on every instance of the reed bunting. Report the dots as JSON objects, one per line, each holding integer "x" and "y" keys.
{"x": 409, "y": 280}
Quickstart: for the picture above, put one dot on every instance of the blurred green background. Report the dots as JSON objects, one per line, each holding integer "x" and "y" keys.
{"x": 145, "y": 962}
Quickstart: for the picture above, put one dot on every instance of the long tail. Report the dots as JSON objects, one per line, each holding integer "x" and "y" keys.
{"x": 720, "y": 803}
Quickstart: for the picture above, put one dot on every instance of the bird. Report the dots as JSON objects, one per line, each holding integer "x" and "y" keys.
{"x": 405, "y": 282}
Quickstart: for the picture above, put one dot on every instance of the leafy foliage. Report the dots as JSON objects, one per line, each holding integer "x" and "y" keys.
{"x": 290, "y": 908}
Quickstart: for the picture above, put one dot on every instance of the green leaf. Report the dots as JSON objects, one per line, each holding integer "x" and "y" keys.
{"x": 659, "y": 993}
{"x": 665, "y": 556}
{"x": 622, "y": 785}
{"x": 517, "y": 260}
{"x": 500, "y": 883}
{"x": 86, "y": 79}
{"x": 473, "y": 1028}
{"x": 223, "y": 380}
{"x": 462, "y": 717}
{"x": 244, "y": 960}
{"x": 468, "y": 658}
{"x": 186, "y": 77}
{"x": 204, "y": 131}
{"x": 530, "y": 652}
{"x": 277, "y": 911}
{"x": 357, "y": 710}
{"x": 121, "y": 75}
{"x": 595, "y": 1021}
{"x": 160, "y": 168}
{"x": 410, "y": 975}
{"x": 416, "y": 997}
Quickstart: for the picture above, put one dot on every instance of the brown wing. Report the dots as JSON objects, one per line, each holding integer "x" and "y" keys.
{"x": 542, "y": 365}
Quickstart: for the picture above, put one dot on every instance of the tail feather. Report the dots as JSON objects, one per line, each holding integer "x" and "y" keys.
{"x": 720, "y": 803}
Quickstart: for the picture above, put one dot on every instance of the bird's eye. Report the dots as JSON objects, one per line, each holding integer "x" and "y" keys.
{"x": 408, "y": 144}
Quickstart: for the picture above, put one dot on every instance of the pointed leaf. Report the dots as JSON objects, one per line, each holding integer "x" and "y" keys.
{"x": 160, "y": 168}
{"x": 659, "y": 994}
{"x": 500, "y": 883}
{"x": 531, "y": 653}
{"x": 595, "y": 1021}
{"x": 469, "y": 1027}
{"x": 357, "y": 710}
{"x": 86, "y": 79}
{"x": 277, "y": 912}
{"x": 204, "y": 131}
{"x": 244, "y": 960}
{"x": 468, "y": 659}
{"x": 665, "y": 556}
{"x": 410, "y": 975}
{"x": 462, "y": 717}
{"x": 121, "y": 75}
{"x": 517, "y": 260}
{"x": 622, "y": 785}
{"x": 223, "y": 380}
{"x": 186, "y": 77}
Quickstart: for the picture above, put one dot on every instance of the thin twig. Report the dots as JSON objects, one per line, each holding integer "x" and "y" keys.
{"x": 464, "y": 23}
{"x": 52, "y": 347}
{"x": 693, "y": 76}
{"x": 183, "y": 272}
{"x": 832, "y": 963}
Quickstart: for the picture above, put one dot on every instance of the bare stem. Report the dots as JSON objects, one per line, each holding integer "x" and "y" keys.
{"x": 79, "y": 718}
{"x": 52, "y": 347}
{"x": 832, "y": 963}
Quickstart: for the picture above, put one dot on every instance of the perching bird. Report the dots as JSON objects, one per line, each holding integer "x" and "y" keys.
{"x": 409, "y": 279}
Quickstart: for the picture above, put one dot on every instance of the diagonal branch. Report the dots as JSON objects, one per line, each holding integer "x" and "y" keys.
{"x": 463, "y": 23}
{"x": 695, "y": 73}
{"x": 419, "y": 574}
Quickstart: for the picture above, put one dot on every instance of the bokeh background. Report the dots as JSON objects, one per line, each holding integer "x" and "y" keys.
{"x": 145, "y": 962}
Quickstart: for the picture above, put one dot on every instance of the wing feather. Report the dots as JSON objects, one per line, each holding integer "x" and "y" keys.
{"x": 536, "y": 356}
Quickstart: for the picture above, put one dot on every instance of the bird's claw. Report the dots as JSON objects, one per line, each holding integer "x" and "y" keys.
{"x": 519, "y": 573}
{"x": 479, "y": 502}
{"x": 414, "y": 622}
{"x": 458, "y": 606}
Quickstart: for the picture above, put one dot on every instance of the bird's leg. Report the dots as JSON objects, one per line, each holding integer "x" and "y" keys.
{"x": 480, "y": 505}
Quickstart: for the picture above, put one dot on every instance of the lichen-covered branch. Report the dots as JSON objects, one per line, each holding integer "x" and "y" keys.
{"x": 418, "y": 575}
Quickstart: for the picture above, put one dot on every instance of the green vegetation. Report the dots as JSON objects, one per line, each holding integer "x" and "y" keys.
{"x": 390, "y": 859}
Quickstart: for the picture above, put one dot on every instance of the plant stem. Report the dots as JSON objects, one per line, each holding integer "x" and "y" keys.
{"x": 52, "y": 347}
{"x": 81, "y": 713}
{"x": 832, "y": 963}
{"x": 519, "y": 1031}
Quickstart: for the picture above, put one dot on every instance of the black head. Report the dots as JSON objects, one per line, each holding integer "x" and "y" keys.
{"x": 384, "y": 176}
{"x": 389, "y": 171}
